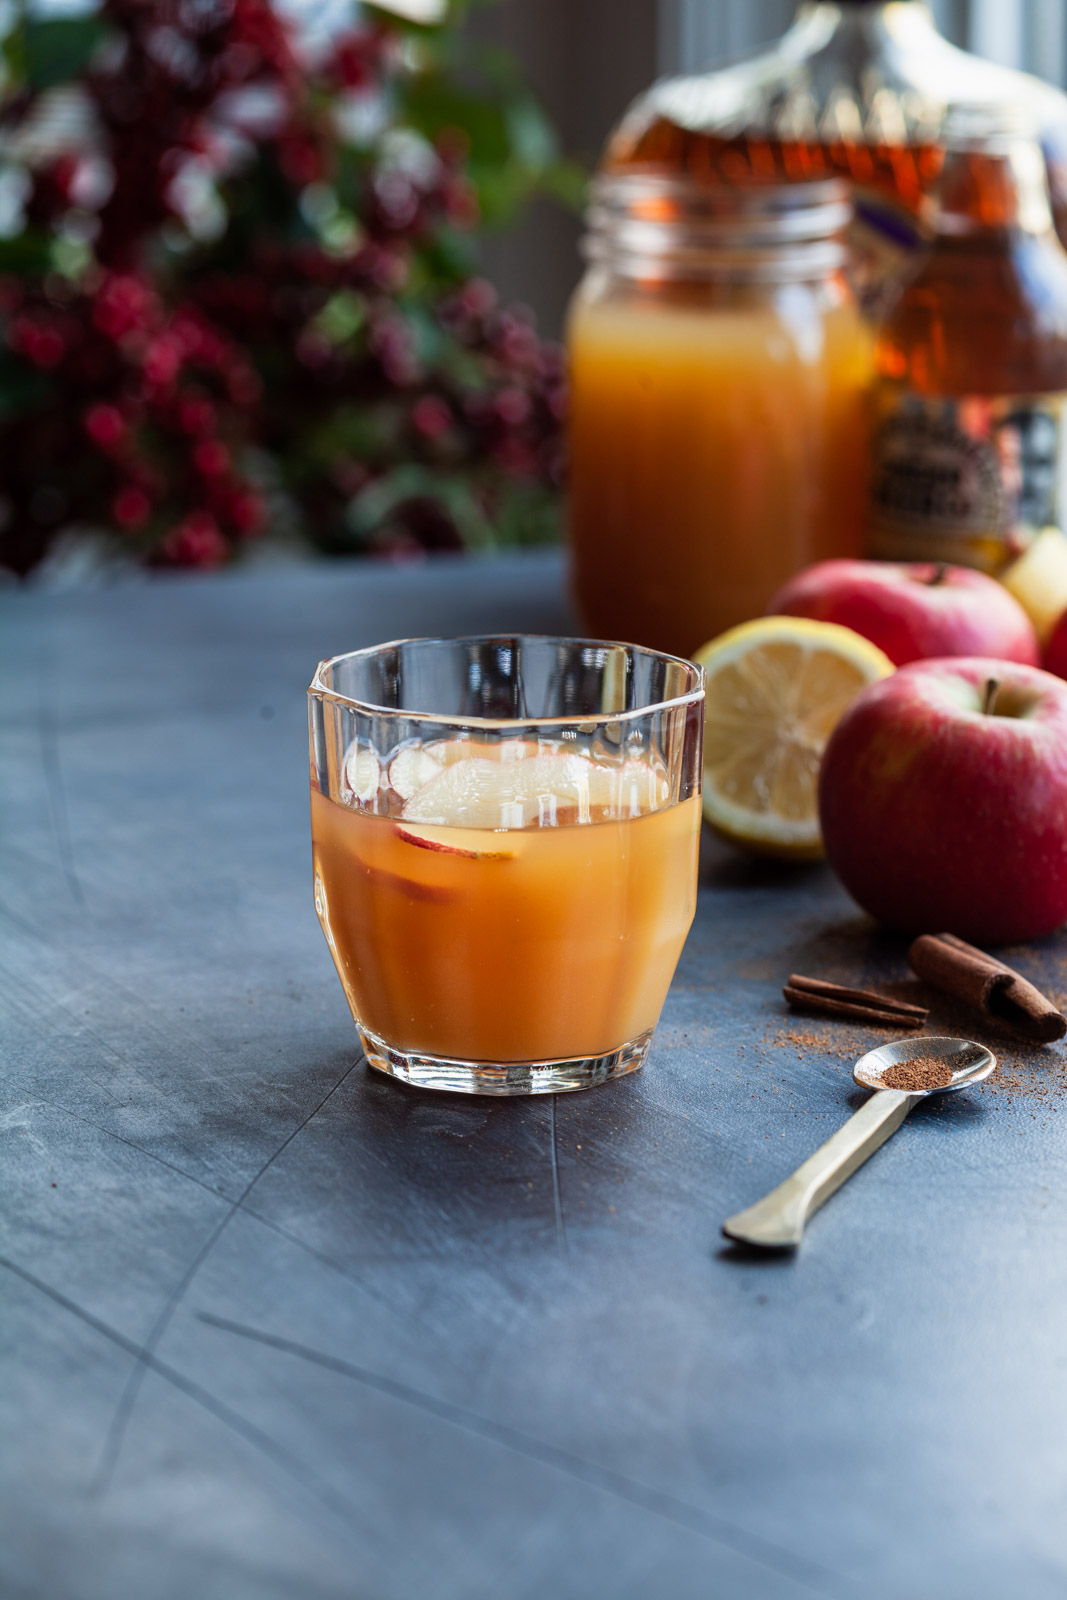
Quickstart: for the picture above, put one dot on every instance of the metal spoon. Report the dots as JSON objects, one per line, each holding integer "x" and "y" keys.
{"x": 777, "y": 1221}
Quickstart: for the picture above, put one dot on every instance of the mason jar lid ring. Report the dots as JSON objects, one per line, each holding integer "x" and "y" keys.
{"x": 691, "y": 230}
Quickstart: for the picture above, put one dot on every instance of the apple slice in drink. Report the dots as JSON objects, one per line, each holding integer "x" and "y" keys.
{"x": 415, "y": 763}
{"x": 414, "y": 887}
{"x": 362, "y": 773}
{"x": 411, "y": 767}
{"x": 521, "y": 785}
{"x": 431, "y": 839}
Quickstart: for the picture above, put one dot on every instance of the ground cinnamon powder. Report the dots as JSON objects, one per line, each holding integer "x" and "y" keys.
{"x": 1034, "y": 1074}
{"x": 920, "y": 1073}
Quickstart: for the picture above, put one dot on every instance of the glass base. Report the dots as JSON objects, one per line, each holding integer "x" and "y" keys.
{"x": 508, "y": 1077}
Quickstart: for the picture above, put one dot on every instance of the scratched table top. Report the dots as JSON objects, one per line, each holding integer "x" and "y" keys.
{"x": 275, "y": 1326}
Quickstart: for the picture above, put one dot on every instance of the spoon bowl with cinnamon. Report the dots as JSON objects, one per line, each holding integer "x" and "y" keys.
{"x": 903, "y": 1073}
{"x": 924, "y": 1066}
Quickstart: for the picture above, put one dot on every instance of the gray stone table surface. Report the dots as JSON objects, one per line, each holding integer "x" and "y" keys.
{"x": 275, "y": 1326}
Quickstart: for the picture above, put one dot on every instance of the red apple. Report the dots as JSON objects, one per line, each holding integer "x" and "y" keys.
{"x": 914, "y": 610}
{"x": 1056, "y": 649}
{"x": 943, "y": 800}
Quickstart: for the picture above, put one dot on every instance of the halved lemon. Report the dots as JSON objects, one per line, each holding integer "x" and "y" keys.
{"x": 775, "y": 690}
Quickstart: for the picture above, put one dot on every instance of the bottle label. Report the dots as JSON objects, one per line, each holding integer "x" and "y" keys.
{"x": 965, "y": 479}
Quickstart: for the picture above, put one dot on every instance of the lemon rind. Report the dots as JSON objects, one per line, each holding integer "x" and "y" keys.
{"x": 769, "y": 830}
{"x": 729, "y": 645}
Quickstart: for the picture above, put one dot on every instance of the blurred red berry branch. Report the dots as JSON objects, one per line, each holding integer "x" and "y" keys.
{"x": 235, "y": 287}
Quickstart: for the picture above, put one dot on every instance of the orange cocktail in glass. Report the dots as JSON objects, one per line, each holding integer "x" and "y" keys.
{"x": 506, "y": 897}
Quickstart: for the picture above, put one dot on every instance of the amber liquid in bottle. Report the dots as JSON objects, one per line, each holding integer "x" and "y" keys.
{"x": 859, "y": 91}
{"x": 969, "y": 447}
{"x": 903, "y": 173}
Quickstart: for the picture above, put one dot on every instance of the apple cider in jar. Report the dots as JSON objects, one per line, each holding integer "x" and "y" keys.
{"x": 720, "y": 379}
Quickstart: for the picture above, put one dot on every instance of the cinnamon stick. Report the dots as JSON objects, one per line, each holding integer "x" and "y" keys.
{"x": 861, "y": 1005}
{"x": 1002, "y": 995}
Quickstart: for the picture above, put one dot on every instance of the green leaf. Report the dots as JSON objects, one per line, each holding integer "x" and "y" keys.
{"x": 375, "y": 504}
{"x": 442, "y": 262}
{"x": 431, "y": 103}
{"x": 53, "y": 50}
{"x": 533, "y": 141}
{"x": 428, "y": 337}
{"x": 513, "y": 148}
{"x": 365, "y": 432}
{"x": 526, "y": 514}
{"x": 28, "y": 253}
{"x": 343, "y": 315}
{"x": 568, "y": 182}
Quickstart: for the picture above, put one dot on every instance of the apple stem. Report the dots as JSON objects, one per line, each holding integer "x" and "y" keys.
{"x": 992, "y": 686}
{"x": 938, "y": 575}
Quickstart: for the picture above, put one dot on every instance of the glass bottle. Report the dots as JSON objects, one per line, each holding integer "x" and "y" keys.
{"x": 720, "y": 372}
{"x": 858, "y": 88}
{"x": 970, "y": 458}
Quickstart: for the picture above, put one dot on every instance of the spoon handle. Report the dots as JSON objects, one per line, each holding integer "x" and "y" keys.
{"x": 777, "y": 1221}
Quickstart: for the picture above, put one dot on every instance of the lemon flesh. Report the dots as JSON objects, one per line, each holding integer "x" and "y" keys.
{"x": 775, "y": 690}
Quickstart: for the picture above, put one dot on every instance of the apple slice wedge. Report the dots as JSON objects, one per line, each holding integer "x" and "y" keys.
{"x": 430, "y": 839}
{"x": 411, "y": 767}
{"x": 362, "y": 771}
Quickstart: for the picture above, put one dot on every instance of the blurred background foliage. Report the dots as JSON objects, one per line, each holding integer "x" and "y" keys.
{"x": 238, "y": 286}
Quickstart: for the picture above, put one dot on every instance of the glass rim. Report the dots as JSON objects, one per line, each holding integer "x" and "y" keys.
{"x": 320, "y": 691}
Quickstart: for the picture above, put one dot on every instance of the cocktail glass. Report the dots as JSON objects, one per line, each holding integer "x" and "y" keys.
{"x": 505, "y": 836}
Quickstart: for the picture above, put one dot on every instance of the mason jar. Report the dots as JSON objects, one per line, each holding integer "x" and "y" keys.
{"x": 721, "y": 373}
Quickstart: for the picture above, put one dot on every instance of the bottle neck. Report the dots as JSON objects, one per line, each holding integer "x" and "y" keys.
{"x": 893, "y": 26}
{"x": 652, "y": 228}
